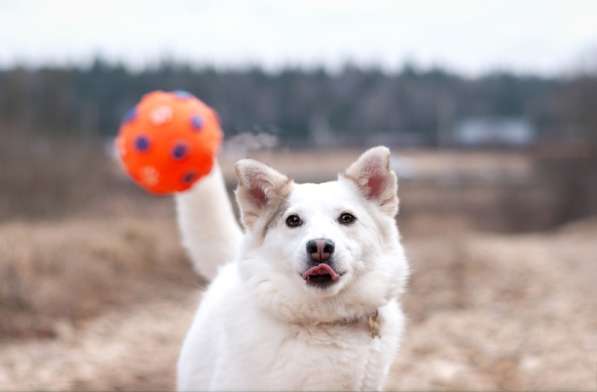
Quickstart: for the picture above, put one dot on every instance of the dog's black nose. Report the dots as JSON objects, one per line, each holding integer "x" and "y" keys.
{"x": 320, "y": 250}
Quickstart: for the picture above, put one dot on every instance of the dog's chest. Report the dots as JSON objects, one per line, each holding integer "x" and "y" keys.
{"x": 341, "y": 355}
{"x": 326, "y": 357}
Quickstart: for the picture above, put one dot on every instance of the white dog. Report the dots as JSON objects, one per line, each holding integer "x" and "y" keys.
{"x": 308, "y": 297}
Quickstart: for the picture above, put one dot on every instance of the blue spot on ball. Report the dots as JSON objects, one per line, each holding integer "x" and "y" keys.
{"x": 196, "y": 122}
{"x": 131, "y": 115}
{"x": 142, "y": 143}
{"x": 183, "y": 94}
{"x": 179, "y": 151}
{"x": 189, "y": 177}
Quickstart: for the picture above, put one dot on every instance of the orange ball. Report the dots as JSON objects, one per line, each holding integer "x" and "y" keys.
{"x": 168, "y": 141}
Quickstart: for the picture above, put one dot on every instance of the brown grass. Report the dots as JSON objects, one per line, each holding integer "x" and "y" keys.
{"x": 73, "y": 270}
{"x": 501, "y": 312}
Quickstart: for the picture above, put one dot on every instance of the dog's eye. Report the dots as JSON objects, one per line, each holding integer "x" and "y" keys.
{"x": 294, "y": 221}
{"x": 346, "y": 218}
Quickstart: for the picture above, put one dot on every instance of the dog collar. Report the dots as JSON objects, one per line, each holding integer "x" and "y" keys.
{"x": 374, "y": 324}
{"x": 371, "y": 321}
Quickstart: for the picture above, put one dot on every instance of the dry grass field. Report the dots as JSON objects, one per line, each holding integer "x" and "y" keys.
{"x": 97, "y": 293}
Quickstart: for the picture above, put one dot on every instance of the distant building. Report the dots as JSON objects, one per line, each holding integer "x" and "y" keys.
{"x": 397, "y": 138}
{"x": 494, "y": 131}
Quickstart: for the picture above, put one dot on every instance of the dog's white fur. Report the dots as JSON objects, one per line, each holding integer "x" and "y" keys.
{"x": 259, "y": 325}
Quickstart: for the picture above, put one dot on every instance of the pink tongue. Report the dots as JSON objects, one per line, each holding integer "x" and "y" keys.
{"x": 321, "y": 269}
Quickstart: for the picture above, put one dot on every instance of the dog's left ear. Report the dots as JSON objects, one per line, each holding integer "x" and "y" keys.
{"x": 372, "y": 174}
{"x": 259, "y": 188}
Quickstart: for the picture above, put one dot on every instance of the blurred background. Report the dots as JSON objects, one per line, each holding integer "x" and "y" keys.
{"x": 490, "y": 109}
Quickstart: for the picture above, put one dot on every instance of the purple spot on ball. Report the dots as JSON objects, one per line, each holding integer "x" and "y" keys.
{"x": 197, "y": 122}
{"x": 183, "y": 94}
{"x": 179, "y": 151}
{"x": 189, "y": 177}
{"x": 131, "y": 115}
{"x": 142, "y": 143}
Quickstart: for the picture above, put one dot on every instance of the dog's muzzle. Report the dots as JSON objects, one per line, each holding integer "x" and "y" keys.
{"x": 321, "y": 272}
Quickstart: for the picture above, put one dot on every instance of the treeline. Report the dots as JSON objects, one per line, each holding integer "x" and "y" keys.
{"x": 297, "y": 104}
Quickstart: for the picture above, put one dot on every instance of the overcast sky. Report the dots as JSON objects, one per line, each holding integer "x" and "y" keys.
{"x": 546, "y": 36}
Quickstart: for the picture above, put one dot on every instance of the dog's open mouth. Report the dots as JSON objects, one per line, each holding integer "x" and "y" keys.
{"x": 321, "y": 275}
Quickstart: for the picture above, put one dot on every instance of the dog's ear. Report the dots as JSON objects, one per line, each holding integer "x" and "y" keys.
{"x": 259, "y": 188}
{"x": 372, "y": 174}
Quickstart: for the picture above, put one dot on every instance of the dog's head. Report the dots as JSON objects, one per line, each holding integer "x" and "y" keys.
{"x": 322, "y": 252}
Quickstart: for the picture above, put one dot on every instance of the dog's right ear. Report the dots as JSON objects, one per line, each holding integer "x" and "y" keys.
{"x": 259, "y": 188}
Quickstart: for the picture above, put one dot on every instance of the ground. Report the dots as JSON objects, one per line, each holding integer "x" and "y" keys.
{"x": 100, "y": 300}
